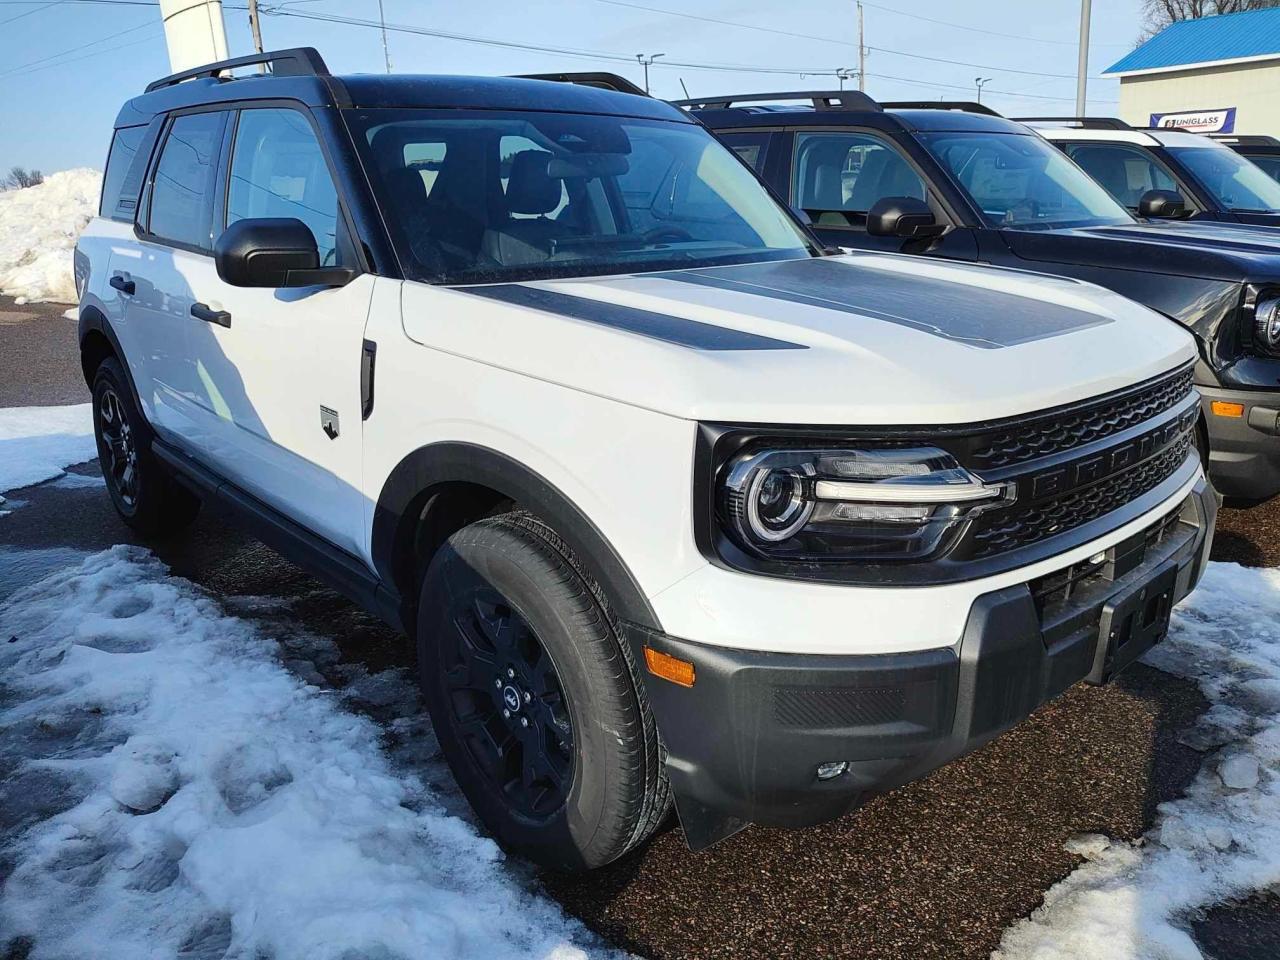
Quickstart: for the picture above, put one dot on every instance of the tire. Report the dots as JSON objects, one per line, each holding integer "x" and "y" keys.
{"x": 145, "y": 495}
{"x": 509, "y": 620}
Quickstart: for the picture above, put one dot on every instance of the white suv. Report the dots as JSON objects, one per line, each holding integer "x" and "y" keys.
{"x": 677, "y": 506}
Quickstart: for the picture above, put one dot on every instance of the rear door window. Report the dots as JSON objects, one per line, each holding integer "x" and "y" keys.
{"x": 182, "y": 186}
{"x": 753, "y": 148}
{"x": 124, "y": 150}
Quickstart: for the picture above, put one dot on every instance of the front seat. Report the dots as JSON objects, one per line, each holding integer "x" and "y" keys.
{"x": 528, "y": 233}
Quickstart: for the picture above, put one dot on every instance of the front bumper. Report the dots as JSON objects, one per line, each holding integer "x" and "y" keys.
{"x": 1244, "y": 452}
{"x": 744, "y": 743}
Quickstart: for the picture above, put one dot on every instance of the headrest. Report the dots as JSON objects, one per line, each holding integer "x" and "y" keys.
{"x": 530, "y": 189}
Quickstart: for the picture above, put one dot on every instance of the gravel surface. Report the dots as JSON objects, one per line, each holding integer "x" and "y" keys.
{"x": 936, "y": 869}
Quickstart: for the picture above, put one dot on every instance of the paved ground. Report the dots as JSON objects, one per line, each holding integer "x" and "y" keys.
{"x": 937, "y": 869}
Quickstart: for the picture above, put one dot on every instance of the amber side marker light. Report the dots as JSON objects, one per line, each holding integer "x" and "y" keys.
{"x": 1224, "y": 408}
{"x": 668, "y": 667}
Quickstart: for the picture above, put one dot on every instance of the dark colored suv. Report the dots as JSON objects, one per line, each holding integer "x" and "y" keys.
{"x": 1213, "y": 181}
{"x": 958, "y": 181}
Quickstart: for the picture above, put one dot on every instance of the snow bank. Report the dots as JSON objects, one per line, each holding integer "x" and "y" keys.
{"x": 36, "y": 443}
{"x": 38, "y": 229}
{"x": 208, "y": 803}
{"x": 1221, "y": 840}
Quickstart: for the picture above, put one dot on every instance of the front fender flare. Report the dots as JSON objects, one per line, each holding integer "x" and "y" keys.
{"x": 428, "y": 467}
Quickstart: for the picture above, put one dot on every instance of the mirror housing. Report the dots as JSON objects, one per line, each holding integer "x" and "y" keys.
{"x": 802, "y": 215}
{"x": 1162, "y": 205}
{"x": 273, "y": 252}
{"x": 906, "y": 217}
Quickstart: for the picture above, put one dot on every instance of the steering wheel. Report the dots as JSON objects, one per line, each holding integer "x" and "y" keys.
{"x": 666, "y": 233}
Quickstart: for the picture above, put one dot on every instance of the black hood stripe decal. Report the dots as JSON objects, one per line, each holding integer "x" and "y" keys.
{"x": 974, "y": 316}
{"x": 658, "y": 326}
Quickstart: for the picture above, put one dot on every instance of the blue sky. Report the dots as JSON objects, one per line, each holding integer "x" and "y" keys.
{"x": 63, "y": 75}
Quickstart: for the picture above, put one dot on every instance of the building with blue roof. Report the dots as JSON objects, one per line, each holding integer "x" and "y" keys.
{"x": 1213, "y": 74}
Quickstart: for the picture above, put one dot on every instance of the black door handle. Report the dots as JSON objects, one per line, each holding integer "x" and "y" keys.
{"x": 202, "y": 311}
{"x": 123, "y": 283}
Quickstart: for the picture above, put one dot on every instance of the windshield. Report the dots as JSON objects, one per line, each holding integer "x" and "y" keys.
{"x": 478, "y": 197}
{"x": 1235, "y": 183}
{"x": 1021, "y": 182}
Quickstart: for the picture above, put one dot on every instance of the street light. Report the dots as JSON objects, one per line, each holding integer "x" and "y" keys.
{"x": 644, "y": 60}
{"x": 845, "y": 73}
{"x": 981, "y": 82}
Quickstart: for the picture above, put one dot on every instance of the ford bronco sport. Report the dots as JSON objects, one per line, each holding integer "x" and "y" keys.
{"x": 956, "y": 181}
{"x": 677, "y": 507}
{"x": 1214, "y": 182}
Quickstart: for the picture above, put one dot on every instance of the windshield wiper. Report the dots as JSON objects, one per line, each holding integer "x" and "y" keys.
{"x": 1251, "y": 210}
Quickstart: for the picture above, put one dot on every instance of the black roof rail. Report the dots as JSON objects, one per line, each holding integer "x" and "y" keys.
{"x": 820, "y": 99}
{"x": 1247, "y": 139}
{"x": 1083, "y": 123}
{"x": 605, "y": 81}
{"x": 294, "y": 62}
{"x": 965, "y": 106}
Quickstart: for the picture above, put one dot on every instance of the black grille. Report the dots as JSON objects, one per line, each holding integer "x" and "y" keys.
{"x": 1002, "y": 530}
{"x": 1053, "y": 433}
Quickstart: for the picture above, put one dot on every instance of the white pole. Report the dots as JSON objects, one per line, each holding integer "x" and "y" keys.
{"x": 193, "y": 32}
{"x": 862, "y": 54}
{"x": 386, "y": 51}
{"x": 1082, "y": 63}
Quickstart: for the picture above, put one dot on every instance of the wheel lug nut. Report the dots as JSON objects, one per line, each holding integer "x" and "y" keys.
{"x": 524, "y": 721}
{"x": 527, "y": 696}
{"x": 510, "y": 673}
{"x": 497, "y": 682}
{"x": 506, "y": 714}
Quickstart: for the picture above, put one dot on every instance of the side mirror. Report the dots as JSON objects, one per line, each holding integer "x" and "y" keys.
{"x": 1162, "y": 205}
{"x": 273, "y": 252}
{"x": 906, "y": 217}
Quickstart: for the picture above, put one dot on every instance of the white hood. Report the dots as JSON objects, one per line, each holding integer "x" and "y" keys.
{"x": 858, "y": 339}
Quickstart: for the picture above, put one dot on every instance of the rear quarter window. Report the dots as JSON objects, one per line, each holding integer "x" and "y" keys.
{"x": 124, "y": 150}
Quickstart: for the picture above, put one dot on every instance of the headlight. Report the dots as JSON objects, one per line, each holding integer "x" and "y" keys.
{"x": 1266, "y": 324}
{"x": 842, "y": 505}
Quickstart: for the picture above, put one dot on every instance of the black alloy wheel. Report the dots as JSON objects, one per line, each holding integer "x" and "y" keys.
{"x": 120, "y": 466}
{"x": 508, "y": 704}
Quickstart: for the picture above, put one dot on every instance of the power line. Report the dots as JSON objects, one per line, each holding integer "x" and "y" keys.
{"x": 843, "y": 43}
{"x": 96, "y": 53}
{"x": 30, "y": 12}
{"x": 53, "y": 56}
{"x": 989, "y": 33}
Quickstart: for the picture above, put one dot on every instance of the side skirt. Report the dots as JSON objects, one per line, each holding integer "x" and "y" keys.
{"x": 342, "y": 571}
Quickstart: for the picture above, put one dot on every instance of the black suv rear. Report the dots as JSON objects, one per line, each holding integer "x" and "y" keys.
{"x": 958, "y": 181}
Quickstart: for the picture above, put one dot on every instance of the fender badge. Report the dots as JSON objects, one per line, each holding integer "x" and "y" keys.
{"x": 329, "y": 422}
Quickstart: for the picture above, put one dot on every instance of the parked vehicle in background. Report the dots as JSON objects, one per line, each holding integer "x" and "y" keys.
{"x": 958, "y": 182}
{"x": 675, "y": 504}
{"x": 1215, "y": 182}
{"x": 1261, "y": 150}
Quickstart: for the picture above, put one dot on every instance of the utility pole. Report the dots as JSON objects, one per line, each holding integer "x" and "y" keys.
{"x": 645, "y": 60}
{"x": 1082, "y": 63}
{"x": 862, "y": 53}
{"x": 386, "y": 51}
{"x": 980, "y": 82}
{"x": 255, "y": 26}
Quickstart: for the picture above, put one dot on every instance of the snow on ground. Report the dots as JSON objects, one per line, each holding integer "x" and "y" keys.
{"x": 1222, "y": 839}
{"x": 36, "y": 443}
{"x": 176, "y": 791}
{"x": 38, "y": 230}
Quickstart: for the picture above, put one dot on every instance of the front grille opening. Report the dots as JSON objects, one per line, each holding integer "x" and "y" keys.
{"x": 1004, "y": 530}
{"x": 1046, "y": 435}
